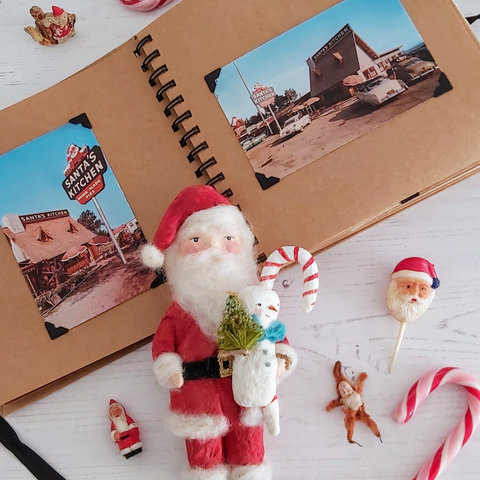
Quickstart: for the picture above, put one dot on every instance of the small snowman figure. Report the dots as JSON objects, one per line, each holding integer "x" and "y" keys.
{"x": 254, "y": 376}
{"x": 251, "y": 331}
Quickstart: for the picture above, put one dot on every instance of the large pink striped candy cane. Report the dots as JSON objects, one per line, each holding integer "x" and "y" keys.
{"x": 144, "y": 5}
{"x": 461, "y": 433}
{"x": 283, "y": 255}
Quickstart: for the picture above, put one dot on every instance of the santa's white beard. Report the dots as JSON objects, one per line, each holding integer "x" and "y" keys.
{"x": 200, "y": 282}
{"x": 402, "y": 307}
{"x": 121, "y": 424}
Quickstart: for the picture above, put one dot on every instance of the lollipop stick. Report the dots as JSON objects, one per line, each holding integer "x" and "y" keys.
{"x": 397, "y": 345}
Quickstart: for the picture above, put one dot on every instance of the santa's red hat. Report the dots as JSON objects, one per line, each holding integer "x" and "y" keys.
{"x": 189, "y": 201}
{"x": 57, "y": 11}
{"x": 418, "y": 268}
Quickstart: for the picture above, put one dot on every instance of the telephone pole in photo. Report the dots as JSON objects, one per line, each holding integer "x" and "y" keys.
{"x": 250, "y": 95}
{"x": 109, "y": 229}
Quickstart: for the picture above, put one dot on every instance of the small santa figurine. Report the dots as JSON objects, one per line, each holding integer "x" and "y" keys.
{"x": 207, "y": 250}
{"x": 51, "y": 28}
{"x": 124, "y": 430}
{"x": 350, "y": 399}
{"x": 411, "y": 290}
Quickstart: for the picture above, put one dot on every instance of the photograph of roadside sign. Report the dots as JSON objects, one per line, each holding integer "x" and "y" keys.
{"x": 70, "y": 227}
{"x": 324, "y": 83}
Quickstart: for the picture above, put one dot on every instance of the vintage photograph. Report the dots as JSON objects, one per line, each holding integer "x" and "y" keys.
{"x": 70, "y": 227}
{"x": 324, "y": 83}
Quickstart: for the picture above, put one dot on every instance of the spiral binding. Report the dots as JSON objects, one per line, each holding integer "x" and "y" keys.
{"x": 202, "y": 146}
{"x": 220, "y": 177}
{"x": 210, "y": 162}
{"x": 153, "y": 77}
{"x": 184, "y": 116}
{"x": 163, "y": 89}
{"x": 138, "y": 51}
{"x": 262, "y": 257}
{"x": 170, "y": 106}
{"x": 154, "y": 80}
{"x": 193, "y": 131}
{"x": 146, "y": 62}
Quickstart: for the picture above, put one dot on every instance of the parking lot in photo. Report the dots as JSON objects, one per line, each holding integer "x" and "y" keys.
{"x": 278, "y": 157}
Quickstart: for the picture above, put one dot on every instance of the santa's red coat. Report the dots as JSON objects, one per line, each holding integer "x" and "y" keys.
{"x": 179, "y": 333}
{"x": 204, "y": 411}
{"x": 129, "y": 437}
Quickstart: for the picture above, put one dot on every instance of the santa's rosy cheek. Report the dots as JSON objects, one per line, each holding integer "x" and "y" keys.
{"x": 193, "y": 248}
{"x": 232, "y": 246}
{"x": 424, "y": 292}
{"x": 189, "y": 247}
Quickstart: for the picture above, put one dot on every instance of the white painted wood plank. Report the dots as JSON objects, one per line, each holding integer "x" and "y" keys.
{"x": 351, "y": 323}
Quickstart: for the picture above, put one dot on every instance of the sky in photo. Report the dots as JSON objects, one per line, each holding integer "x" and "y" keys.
{"x": 281, "y": 62}
{"x": 31, "y": 178}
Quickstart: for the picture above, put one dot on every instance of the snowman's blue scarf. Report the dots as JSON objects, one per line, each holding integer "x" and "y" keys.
{"x": 275, "y": 332}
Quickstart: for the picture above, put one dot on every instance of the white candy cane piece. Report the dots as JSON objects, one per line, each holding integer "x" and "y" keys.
{"x": 283, "y": 255}
{"x": 461, "y": 433}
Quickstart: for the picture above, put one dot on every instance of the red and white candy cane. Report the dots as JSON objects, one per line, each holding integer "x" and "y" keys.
{"x": 462, "y": 432}
{"x": 144, "y": 5}
{"x": 283, "y": 255}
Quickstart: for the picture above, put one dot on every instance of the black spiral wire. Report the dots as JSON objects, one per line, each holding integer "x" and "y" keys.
{"x": 154, "y": 80}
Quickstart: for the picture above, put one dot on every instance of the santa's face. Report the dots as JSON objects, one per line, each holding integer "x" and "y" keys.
{"x": 408, "y": 298}
{"x": 118, "y": 417}
{"x": 345, "y": 389}
{"x": 211, "y": 256}
{"x": 59, "y": 20}
{"x": 201, "y": 241}
{"x": 116, "y": 411}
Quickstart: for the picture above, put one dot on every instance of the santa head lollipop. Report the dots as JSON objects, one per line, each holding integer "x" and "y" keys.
{"x": 411, "y": 290}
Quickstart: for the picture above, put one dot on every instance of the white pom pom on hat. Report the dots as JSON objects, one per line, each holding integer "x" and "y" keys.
{"x": 190, "y": 200}
{"x": 152, "y": 257}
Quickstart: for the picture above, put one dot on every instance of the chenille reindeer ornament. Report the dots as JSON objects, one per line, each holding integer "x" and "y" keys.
{"x": 350, "y": 398}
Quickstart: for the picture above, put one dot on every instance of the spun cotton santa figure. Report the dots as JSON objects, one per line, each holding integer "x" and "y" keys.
{"x": 207, "y": 250}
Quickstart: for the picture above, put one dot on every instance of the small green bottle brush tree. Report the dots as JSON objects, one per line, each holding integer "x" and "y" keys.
{"x": 238, "y": 331}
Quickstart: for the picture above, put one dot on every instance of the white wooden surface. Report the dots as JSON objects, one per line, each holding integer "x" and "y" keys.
{"x": 350, "y": 323}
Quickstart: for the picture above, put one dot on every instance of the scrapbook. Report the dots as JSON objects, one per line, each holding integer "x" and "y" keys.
{"x": 317, "y": 118}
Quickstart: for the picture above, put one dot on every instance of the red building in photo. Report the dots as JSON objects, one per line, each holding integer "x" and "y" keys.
{"x": 50, "y": 247}
{"x": 343, "y": 55}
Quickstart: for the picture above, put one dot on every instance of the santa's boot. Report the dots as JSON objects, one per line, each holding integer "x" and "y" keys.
{"x": 216, "y": 473}
{"x": 251, "y": 472}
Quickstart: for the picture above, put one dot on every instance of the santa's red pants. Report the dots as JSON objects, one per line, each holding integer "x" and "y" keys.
{"x": 240, "y": 446}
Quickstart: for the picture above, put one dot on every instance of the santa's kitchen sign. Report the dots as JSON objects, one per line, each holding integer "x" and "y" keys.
{"x": 85, "y": 179}
{"x": 263, "y": 96}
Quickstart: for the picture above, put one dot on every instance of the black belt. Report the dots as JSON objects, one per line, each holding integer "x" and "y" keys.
{"x": 211, "y": 367}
